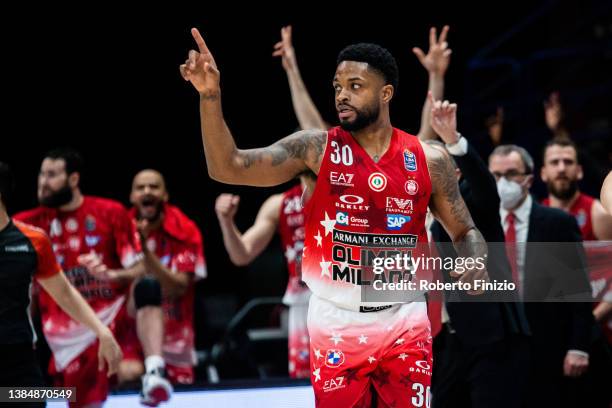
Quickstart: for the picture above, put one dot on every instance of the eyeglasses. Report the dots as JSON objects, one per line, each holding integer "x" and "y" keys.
{"x": 509, "y": 175}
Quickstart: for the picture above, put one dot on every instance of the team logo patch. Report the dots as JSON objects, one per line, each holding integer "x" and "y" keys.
{"x": 412, "y": 187}
{"x": 410, "y": 162}
{"x": 334, "y": 358}
{"x": 377, "y": 181}
{"x": 72, "y": 225}
{"x": 90, "y": 223}
{"x": 396, "y": 221}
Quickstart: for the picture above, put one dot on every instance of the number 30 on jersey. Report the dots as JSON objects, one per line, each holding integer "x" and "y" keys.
{"x": 342, "y": 155}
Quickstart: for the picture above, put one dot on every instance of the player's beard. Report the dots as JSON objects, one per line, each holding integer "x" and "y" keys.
{"x": 563, "y": 193}
{"x": 156, "y": 215}
{"x": 363, "y": 118}
{"x": 57, "y": 198}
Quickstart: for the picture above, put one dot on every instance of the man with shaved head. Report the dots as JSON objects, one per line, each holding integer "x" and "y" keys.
{"x": 173, "y": 256}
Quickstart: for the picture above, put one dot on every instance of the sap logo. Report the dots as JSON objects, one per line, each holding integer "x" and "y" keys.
{"x": 396, "y": 205}
{"x": 342, "y": 218}
{"x": 396, "y": 221}
{"x": 341, "y": 179}
{"x": 334, "y": 384}
{"x": 334, "y": 358}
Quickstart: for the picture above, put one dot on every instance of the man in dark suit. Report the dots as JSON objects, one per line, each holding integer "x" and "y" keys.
{"x": 550, "y": 272}
{"x": 482, "y": 350}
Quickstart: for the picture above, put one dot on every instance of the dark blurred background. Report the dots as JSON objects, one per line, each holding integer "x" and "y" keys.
{"x": 105, "y": 80}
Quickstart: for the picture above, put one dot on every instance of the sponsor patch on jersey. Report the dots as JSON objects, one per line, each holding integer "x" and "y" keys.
{"x": 92, "y": 240}
{"x": 72, "y": 225}
{"x": 396, "y": 221}
{"x": 377, "y": 182}
{"x": 399, "y": 205}
{"x": 334, "y": 358}
{"x": 90, "y": 223}
{"x": 410, "y": 162}
{"x": 341, "y": 179}
{"x": 343, "y": 218}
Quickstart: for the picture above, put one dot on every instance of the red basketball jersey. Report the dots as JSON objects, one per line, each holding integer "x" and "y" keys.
{"x": 361, "y": 210}
{"x": 291, "y": 230}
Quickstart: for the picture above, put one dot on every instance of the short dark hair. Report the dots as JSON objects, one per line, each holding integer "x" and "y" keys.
{"x": 6, "y": 183}
{"x": 377, "y": 57}
{"x": 560, "y": 141}
{"x": 72, "y": 158}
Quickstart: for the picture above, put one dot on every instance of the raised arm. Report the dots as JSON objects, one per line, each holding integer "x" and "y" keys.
{"x": 450, "y": 210}
{"x": 305, "y": 110}
{"x": 473, "y": 168}
{"x": 226, "y": 163}
{"x": 243, "y": 248}
{"x": 436, "y": 63}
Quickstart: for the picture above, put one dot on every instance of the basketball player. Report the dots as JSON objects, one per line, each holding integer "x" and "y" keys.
{"x": 373, "y": 187}
{"x": 174, "y": 258}
{"x": 93, "y": 241}
{"x": 26, "y": 253}
{"x": 283, "y": 213}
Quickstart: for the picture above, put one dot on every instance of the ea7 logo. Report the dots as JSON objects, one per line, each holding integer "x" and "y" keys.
{"x": 334, "y": 384}
{"x": 399, "y": 203}
{"x": 396, "y": 221}
{"x": 341, "y": 179}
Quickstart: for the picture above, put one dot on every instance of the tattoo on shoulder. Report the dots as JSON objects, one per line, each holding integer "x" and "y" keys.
{"x": 443, "y": 177}
{"x": 307, "y": 145}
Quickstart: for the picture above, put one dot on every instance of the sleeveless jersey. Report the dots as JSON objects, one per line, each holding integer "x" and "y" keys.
{"x": 361, "y": 210}
{"x": 291, "y": 230}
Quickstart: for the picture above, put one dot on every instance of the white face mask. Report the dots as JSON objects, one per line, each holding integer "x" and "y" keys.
{"x": 510, "y": 193}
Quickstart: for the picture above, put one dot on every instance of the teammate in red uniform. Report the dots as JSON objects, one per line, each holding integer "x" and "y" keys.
{"x": 173, "y": 257}
{"x": 25, "y": 254}
{"x": 373, "y": 188}
{"x": 561, "y": 172}
{"x": 93, "y": 241}
{"x": 283, "y": 213}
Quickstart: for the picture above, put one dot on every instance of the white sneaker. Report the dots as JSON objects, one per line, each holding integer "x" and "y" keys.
{"x": 155, "y": 389}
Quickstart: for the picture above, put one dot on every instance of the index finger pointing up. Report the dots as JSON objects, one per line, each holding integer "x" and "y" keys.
{"x": 199, "y": 40}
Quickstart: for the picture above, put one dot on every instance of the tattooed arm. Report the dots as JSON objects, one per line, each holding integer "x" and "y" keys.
{"x": 267, "y": 166}
{"x": 448, "y": 207}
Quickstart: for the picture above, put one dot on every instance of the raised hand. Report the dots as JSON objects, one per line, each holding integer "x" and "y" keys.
{"x": 444, "y": 119}
{"x": 95, "y": 266}
{"x": 226, "y": 206}
{"x": 200, "y": 68}
{"x": 553, "y": 112}
{"x": 438, "y": 56}
{"x": 284, "y": 49}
